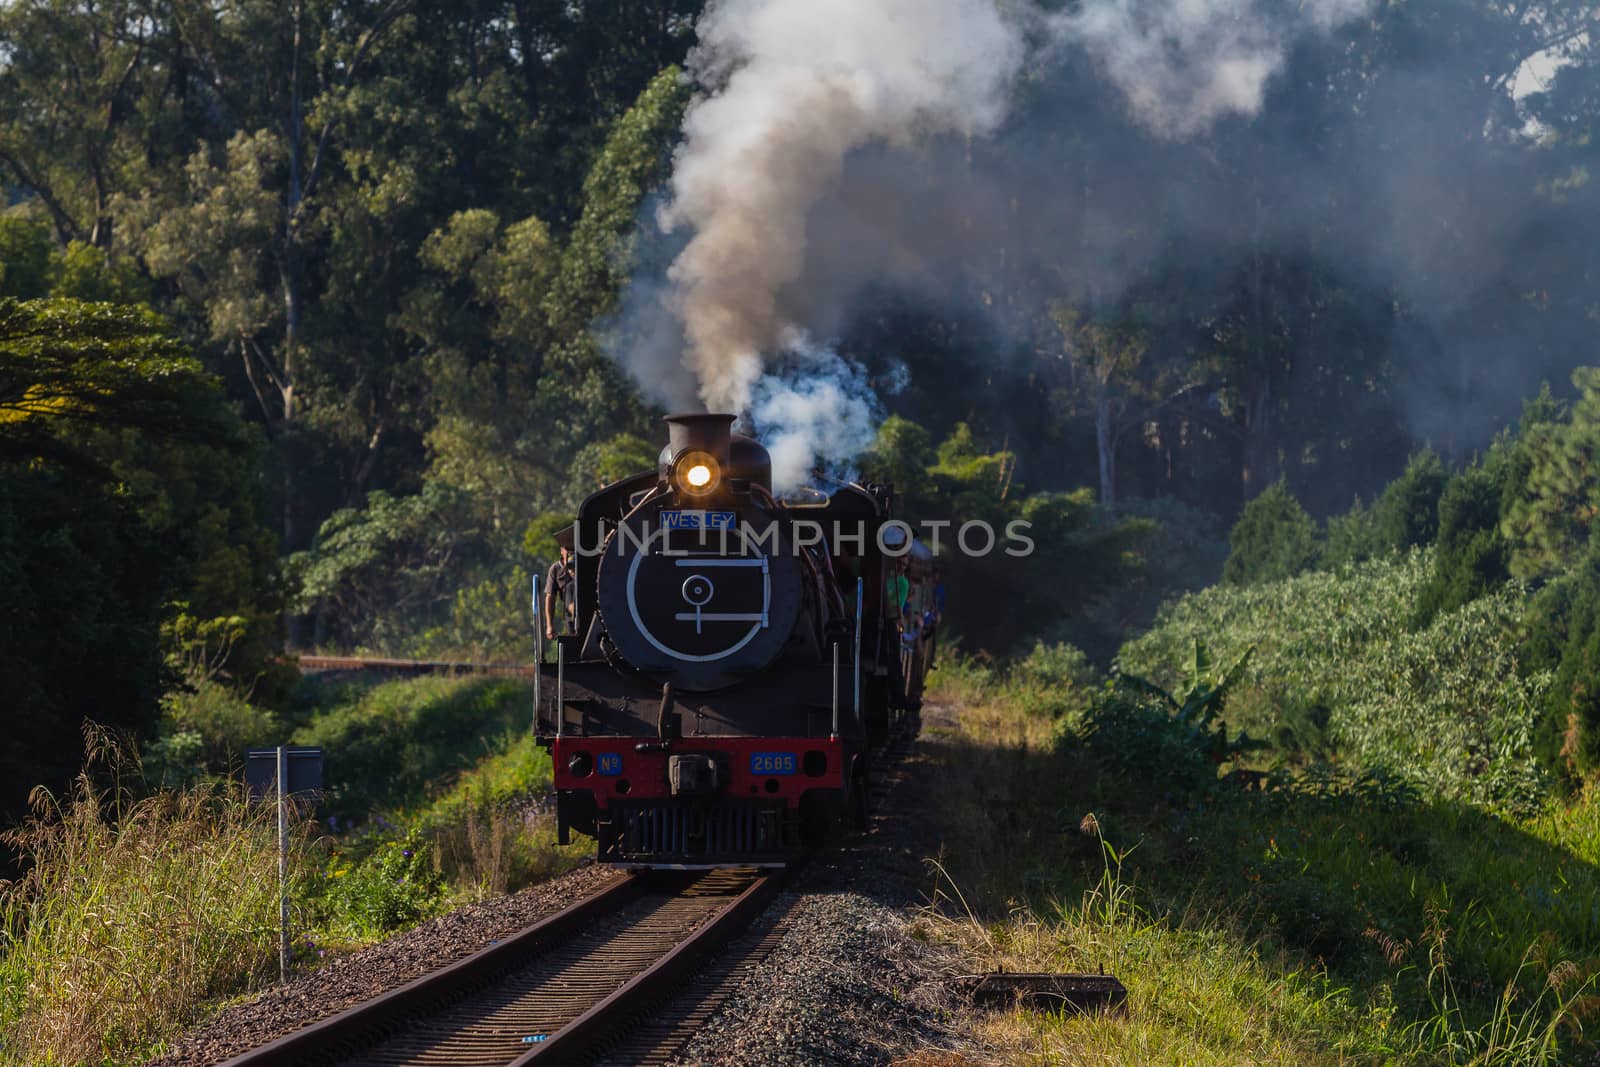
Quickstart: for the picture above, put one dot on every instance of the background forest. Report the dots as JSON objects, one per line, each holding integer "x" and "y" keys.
{"x": 305, "y": 309}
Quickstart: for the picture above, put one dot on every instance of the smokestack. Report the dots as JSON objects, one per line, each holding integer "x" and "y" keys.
{"x": 711, "y": 434}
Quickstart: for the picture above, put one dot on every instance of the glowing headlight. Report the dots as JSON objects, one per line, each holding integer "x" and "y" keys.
{"x": 698, "y": 473}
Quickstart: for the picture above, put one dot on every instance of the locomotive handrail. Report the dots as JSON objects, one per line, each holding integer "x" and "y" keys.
{"x": 835, "y": 736}
{"x": 861, "y": 586}
{"x": 561, "y": 689}
{"x": 538, "y": 656}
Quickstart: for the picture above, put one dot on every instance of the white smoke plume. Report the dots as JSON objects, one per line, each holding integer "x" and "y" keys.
{"x": 822, "y": 411}
{"x": 789, "y": 89}
{"x": 1184, "y": 64}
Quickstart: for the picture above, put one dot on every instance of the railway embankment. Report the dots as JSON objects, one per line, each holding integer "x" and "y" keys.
{"x": 1258, "y": 911}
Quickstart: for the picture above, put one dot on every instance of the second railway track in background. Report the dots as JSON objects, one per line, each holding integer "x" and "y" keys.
{"x": 561, "y": 991}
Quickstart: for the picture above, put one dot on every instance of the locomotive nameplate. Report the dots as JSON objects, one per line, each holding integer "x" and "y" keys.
{"x": 698, "y": 520}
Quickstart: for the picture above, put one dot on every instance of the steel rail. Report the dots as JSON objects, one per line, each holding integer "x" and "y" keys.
{"x": 606, "y": 1021}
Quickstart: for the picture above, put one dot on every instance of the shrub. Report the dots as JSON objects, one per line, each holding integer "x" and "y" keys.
{"x": 225, "y": 722}
{"x": 1274, "y": 538}
{"x": 394, "y": 886}
{"x": 1136, "y": 736}
{"x": 1056, "y": 680}
{"x": 1306, "y": 631}
{"x": 1449, "y": 708}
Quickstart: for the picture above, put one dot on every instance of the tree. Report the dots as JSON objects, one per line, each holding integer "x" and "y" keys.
{"x": 1073, "y": 550}
{"x": 25, "y": 256}
{"x": 98, "y": 68}
{"x": 389, "y": 568}
{"x": 1105, "y": 357}
{"x": 64, "y": 364}
{"x": 1273, "y": 539}
{"x": 253, "y": 218}
{"x": 1549, "y": 521}
{"x": 1407, "y": 514}
{"x": 125, "y": 487}
{"x": 1564, "y": 630}
{"x": 900, "y": 455}
{"x": 1471, "y": 560}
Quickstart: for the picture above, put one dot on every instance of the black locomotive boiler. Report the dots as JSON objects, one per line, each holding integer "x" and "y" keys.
{"x": 733, "y": 659}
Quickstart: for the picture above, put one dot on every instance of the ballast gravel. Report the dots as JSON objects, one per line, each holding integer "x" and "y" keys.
{"x": 845, "y": 986}
{"x": 848, "y": 984}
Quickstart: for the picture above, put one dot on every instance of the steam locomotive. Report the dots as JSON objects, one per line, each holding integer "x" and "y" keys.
{"x": 734, "y": 659}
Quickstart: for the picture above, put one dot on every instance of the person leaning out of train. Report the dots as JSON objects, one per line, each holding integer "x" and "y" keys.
{"x": 897, "y": 590}
{"x": 561, "y": 585}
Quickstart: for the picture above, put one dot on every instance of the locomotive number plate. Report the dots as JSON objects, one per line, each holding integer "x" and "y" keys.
{"x": 609, "y": 764}
{"x": 772, "y": 763}
{"x": 698, "y": 520}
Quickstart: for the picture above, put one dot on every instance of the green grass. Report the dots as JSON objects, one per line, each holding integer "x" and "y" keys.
{"x": 1331, "y": 919}
{"x": 442, "y": 770}
{"x": 386, "y": 747}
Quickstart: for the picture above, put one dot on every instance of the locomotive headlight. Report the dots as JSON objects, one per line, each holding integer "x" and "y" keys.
{"x": 698, "y": 473}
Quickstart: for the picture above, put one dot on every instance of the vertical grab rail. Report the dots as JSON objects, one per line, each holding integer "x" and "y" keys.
{"x": 538, "y": 655}
{"x": 835, "y": 736}
{"x": 561, "y": 688}
{"x": 861, "y": 592}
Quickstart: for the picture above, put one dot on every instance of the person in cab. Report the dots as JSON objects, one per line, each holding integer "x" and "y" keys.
{"x": 561, "y": 587}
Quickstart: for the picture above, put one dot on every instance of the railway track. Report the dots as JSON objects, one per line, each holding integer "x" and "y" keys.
{"x": 560, "y": 991}
{"x": 407, "y": 667}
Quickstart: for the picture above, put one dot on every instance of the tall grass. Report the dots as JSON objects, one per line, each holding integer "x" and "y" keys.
{"x": 489, "y": 835}
{"x": 132, "y": 915}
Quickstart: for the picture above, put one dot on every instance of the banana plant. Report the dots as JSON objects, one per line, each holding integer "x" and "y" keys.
{"x": 1201, "y": 698}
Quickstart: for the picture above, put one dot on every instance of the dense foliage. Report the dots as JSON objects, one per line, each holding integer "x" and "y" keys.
{"x": 125, "y": 489}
